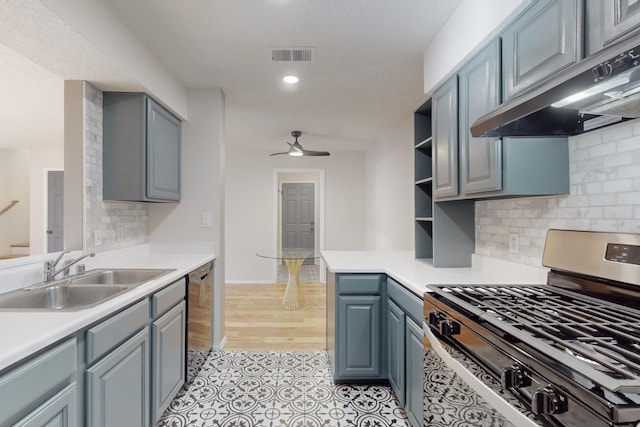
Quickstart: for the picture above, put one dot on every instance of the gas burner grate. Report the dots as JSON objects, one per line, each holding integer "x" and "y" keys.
{"x": 599, "y": 339}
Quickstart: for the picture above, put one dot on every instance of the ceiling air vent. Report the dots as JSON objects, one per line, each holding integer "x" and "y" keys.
{"x": 293, "y": 54}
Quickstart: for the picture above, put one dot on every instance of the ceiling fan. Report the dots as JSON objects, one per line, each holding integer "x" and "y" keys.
{"x": 296, "y": 149}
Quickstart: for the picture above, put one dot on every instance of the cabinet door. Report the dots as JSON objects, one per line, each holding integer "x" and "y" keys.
{"x": 117, "y": 387}
{"x": 396, "y": 349}
{"x": 445, "y": 139}
{"x": 359, "y": 335}
{"x": 542, "y": 41}
{"x": 414, "y": 373}
{"x": 163, "y": 153}
{"x": 59, "y": 411}
{"x": 610, "y": 21}
{"x": 168, "y": 359}
{"x": 479, "y": 86}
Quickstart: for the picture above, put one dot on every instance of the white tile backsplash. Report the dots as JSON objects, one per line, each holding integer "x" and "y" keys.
{"x": 604, "y": 196}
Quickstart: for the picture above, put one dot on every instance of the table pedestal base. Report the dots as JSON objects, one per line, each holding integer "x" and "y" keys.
{"x": 291, "y": 299}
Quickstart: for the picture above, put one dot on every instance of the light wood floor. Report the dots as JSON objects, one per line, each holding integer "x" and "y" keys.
{"x": 256, "y": 320}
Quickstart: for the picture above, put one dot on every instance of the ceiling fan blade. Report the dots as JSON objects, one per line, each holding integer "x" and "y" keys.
{"x": 277, "y": 154}
{"x": 315, "y": 153}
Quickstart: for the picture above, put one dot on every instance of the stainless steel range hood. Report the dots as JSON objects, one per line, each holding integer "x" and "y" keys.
{"x": 598, "y": 91}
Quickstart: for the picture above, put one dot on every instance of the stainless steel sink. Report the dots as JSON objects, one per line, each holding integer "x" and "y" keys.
{"x": 78, "y": 292}
{"x": 117, "y": 276}
{"x": 60, "y": 297}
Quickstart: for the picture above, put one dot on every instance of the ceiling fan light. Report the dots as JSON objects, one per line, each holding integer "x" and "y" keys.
{"x": 295, "y": 153}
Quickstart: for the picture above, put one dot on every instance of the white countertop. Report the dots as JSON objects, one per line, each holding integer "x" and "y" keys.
{"x": 415, "y": 275}
{"x": 25, "y": 332}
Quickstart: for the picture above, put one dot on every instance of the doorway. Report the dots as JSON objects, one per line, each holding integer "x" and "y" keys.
{"x": 302, "y": 207}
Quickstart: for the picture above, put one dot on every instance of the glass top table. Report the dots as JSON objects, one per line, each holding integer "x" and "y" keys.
{"x": 293, "y": 259}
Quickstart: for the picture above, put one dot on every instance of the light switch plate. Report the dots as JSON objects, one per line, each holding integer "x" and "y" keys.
{"x": 206, "y": 220}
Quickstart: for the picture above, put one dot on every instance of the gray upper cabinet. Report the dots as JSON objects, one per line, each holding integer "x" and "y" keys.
{"x": 610, "y": 21}
{"x": 540, "y": 42}
{"x": 445, "y": 139}
{"x": 479, "y": 91}
{"x": 141, "y": 150}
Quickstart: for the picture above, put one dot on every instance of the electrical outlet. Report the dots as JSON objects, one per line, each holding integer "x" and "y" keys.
{"x": 97, "y": 238}
{"x": 120, "y": 234}
{"x": 514, "y": 243}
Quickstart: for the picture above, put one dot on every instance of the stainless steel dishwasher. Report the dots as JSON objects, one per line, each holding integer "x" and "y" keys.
{"x": 199, "y": 318}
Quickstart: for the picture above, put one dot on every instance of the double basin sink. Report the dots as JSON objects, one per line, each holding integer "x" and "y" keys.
{"x": 78, "y": 292}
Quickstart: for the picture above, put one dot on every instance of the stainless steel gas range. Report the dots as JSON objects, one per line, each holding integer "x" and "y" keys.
{"x": 564, "y": 353}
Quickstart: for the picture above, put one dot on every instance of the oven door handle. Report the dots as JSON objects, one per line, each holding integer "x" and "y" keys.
{"x": 490, "y": 396}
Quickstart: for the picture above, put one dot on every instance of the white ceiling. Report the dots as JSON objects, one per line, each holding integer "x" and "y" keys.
{"x": 366, "y": 78}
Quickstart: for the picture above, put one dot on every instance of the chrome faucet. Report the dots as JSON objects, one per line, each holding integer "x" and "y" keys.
{"x": 50, "y": 266}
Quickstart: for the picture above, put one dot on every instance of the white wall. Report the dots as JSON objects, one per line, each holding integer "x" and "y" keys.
{"x": 251, "y": 214}
{"x": 471, "y": 23}
{"x": 389, "y": 190}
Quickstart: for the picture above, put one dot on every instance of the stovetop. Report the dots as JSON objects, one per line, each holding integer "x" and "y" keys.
{"x": 597, "y": 339}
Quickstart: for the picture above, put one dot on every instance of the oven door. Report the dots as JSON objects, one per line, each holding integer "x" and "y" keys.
{"x": 457, "y": 390}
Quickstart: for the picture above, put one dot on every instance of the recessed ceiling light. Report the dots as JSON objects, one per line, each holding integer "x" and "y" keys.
{"x": 290, "y": 79}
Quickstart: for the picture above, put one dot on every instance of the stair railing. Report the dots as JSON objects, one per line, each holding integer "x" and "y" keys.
{"x": 11, "y": 204}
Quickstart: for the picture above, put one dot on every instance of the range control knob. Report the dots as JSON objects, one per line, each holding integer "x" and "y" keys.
{"x": 548, "y": 401}
{"x": 449, "y": 328}
{"x": 515, "y": 376}
{"x": 435, "y": 317}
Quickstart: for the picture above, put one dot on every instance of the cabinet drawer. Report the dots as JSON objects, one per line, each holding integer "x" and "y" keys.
{"x": 113, "y": 331}
{"x": 360, "y": 284}
{"x": 166, "y": 298}
{"x": 410, "y": 304}
{"x": 31, "y": 383}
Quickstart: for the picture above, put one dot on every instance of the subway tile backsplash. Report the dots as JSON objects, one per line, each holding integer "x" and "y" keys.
{"x": 118, "y": 224}
{"x": 604, "y": 196}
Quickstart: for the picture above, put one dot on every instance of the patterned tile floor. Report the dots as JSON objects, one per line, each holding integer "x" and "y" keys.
{"x": 283, "y": 389}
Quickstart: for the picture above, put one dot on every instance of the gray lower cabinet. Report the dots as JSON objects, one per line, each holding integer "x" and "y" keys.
{"x": 611, "y": 21}
{"x": 355, "y": 327}
{"x": 137, "y": 361}
{"x": 405, "y": 349}
{"x": 168, "y": 337}
{"x": 543, "y": 40}
{"x": 117, "y": 387}
{"x": 414, "y": 372}
{"x": 42, "y": 391}
{"x": 396, "y": 349}
{"x": 59, "y": 411}
{"x": 141, "y": 150}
